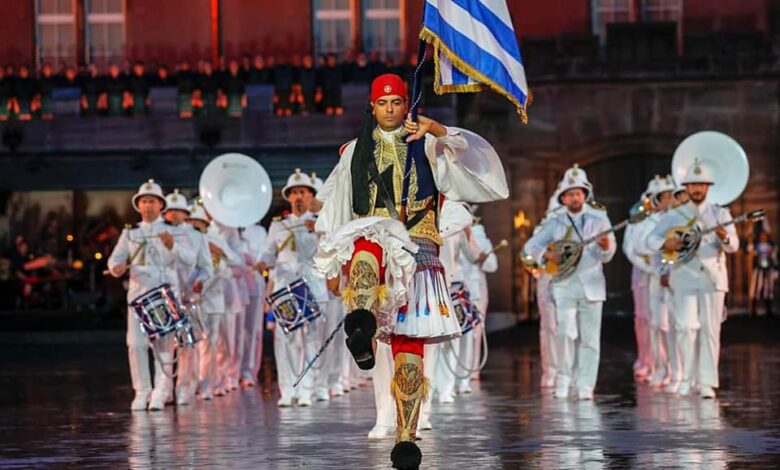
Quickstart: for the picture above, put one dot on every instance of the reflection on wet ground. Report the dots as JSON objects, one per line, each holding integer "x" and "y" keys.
{"x": 66, "y": 406}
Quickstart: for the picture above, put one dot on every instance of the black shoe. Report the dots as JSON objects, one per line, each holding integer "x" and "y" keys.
{"x": 406, "y": 456}
{"x": 360, "y": 326}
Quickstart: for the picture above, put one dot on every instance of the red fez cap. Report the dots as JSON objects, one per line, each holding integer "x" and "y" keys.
{"x": 388, "y": 84}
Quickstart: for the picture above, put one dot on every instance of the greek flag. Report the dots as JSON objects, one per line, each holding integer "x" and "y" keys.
{"x": 475, "y": 45}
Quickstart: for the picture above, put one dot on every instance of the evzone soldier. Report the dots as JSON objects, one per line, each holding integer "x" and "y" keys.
{"x": 254, "y": 238}
{"x": 391, "y": 294}
{"x": 190, "y": 278}
{"x": 147, "y": 252}
{"x": 212, "y": 301}
{"x": 641, "y": 270}
{"x": 291, "y": 246}
{"x": 579, "y": 298}
{"x": 476, "y": 284}
{"x": 666, "y": 358}
{"x": 700, "y": 284}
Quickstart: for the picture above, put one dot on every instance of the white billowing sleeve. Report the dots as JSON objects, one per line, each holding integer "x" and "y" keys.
{"x": 336, "y": 195}
{"x": 466, "y": 167}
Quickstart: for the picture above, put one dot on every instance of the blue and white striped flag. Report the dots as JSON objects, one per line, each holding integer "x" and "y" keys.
{"x": 474, "y": 45}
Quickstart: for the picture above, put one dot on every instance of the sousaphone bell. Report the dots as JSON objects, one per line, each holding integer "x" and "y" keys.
{"x": 236, "y": 190}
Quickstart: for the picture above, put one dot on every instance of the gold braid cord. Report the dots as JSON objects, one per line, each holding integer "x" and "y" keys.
{"x": 409, "y": 388}
{"x": 364, "y": 290}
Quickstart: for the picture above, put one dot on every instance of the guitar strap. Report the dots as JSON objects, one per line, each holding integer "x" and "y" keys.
{"x": 574, "y": 225}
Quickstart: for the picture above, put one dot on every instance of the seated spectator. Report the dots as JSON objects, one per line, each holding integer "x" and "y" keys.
{"x": 6, "y": 92}
{"x": 376, "y": 65}
{"x": 332, "y": 79}
{"x": 259, "y": 75}
{"x": 296, "y": 95}
{"x": 310, "y": 95}
{"x": 12, "y": 104}
{"x": 186, "y": 82}
{"x": 68, "y": 77}
{"x": 246, "y": 67}
{"x": 163, "y": 77}
{"x": 25, "y": 94}
{"x": 206, "y": 91}
{"x": 138, "y": 88}
{"x": 46, "y": 83}
{"x": 283, "y": 84}
{"x": 118, "y": 97}
{"x": 361, "y": 73}
{"x": 92, "y": 92}
{"x": 234, "y": 89}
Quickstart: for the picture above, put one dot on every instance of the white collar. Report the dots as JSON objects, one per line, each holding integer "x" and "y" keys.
{"x": 390, "y": 136}
{"x": 156, "y": 221}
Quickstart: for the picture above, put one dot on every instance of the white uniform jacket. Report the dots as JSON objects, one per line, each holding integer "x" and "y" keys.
{"x": 589, "y": 272}
{"x": 152, "y": 263}
{"x": 710, "y": 258}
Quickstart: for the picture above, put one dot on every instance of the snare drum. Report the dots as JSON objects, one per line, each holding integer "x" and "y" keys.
{"x": 158, "y": 312}
{"x": 465, "y": 311}
{"x": 194, "y": 331}
{"x": 294, "y": 306}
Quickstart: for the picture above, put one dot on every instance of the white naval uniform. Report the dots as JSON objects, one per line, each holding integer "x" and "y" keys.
{"x": 255, "y": 238}
{"x": 188, "y": 274}
{"x": 152, "y": 266}
{"x": 666, "y": 365}
{"x": 579, "y": 298}
{"x": 213, "y": 307}
{"x": 641, "y": 269}
{"x": 700, "y": 288}
{"x": 294, "y": 350}
{"x": 236, "y": 300}
{"x": 548, "y": 325}
{"x": 476, "y": 283}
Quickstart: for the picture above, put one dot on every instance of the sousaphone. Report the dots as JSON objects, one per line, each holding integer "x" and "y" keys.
{"x": 236, "y": 190}
{"x": 729, "y": 168}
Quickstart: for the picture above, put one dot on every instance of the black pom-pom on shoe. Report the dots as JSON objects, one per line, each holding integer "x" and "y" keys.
{"x": 360, "y": 326}
{"x": 406, "y": 456}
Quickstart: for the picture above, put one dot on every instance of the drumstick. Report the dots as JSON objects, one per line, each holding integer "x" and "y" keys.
{"x": 132, "y": 258}
{"x": 501, "y": 244}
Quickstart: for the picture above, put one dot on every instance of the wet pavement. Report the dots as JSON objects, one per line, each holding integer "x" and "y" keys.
{"x": 66, "y": 406}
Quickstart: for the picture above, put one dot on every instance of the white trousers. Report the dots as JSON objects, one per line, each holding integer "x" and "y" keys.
{"x": 482, "y": 305}
{"x": 548, "y": 330}
{"x": 188, "y": 371}
{"x": 216, "y": 328}
{"x": 138, "y": 345}
{"x": 697, "y": 321}
{"x": 642, "y": 332}
{"x": 465, "y": 363}
{"x": 579, "y": 337}
{"x": 382, "y": 375}
{"x": 293, "y": 351}
{"x": 226, "y": 354}
{"x": 337, "y": 351}
{"x": 252, "y": 353}
{"x": 662, "y": 339}
{"x": 446, "y": 366}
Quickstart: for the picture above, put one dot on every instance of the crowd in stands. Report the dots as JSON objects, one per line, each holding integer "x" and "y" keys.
{"x": 303, "y": 84}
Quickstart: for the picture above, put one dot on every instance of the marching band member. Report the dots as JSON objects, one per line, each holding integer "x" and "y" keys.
{"x": 476, "y": 283}
{"x": 254, "y": 237}
{"x": 147, "y": 251}
{"x": 458, "y": 250}
{"x": 190, "y": 278}
{"x": 236, "y": 299}
{"x": 641, "y": 269}
{"x": 661, "y": 340}
{"x": 291, "y": 246}
{"x": 548, "y": 326}
{"x": 579, "y": 298}
{"x": 699, "y": 285}
{"x": 386, "y": 288}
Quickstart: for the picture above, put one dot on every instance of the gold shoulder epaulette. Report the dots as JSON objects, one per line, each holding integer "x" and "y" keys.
{"x": 597, "y": 205}
{"x": 278, "y": 218}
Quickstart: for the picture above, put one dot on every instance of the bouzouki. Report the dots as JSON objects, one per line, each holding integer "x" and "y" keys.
{"x": 692, "y": 234}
